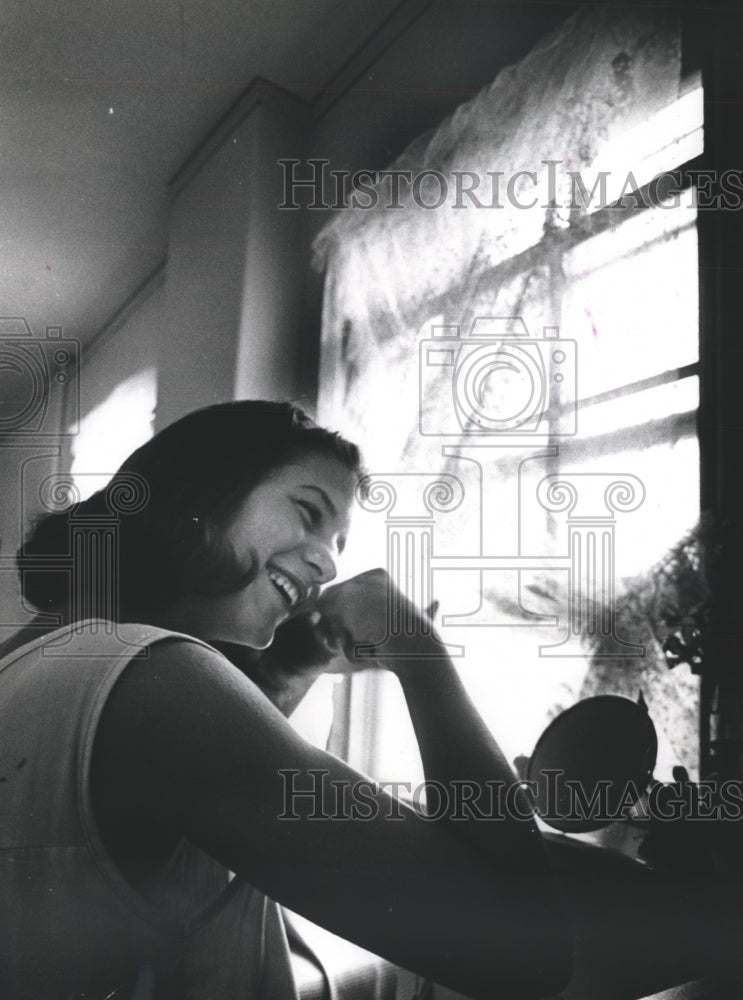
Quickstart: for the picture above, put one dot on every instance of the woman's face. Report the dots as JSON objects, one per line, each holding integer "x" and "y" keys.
{"x": 294, "y": 523}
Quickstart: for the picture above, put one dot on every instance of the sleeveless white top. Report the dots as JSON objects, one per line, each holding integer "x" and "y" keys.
{"x": 70, "y": 925}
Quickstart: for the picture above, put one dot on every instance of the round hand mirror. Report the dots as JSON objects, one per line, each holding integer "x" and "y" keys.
{"x": 592, "y": 763}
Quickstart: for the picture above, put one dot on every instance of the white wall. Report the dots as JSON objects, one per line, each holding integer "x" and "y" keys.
{"x": 221, "y": 319}
{"x": 233, "y": 278}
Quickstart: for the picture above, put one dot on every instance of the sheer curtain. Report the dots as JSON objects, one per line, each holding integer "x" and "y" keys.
{"x": 605, "y": 72}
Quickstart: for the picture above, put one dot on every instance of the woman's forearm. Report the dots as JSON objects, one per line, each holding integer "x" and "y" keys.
{"x": 459, "y": 753}
{"x": 286, "y": 691}
{"x": 481, "y": 800}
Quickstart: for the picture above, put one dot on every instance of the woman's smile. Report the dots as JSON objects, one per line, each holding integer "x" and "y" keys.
{"x": 288, "y": 590}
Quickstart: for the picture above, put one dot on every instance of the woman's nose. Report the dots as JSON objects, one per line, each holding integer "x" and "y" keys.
{"x": 322, "y": 559}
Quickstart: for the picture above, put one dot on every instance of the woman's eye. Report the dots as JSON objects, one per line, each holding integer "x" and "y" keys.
{"x": 310, "y": 513}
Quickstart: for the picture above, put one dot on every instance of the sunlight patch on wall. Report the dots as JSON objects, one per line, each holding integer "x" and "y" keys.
{"x": 112, "y": 430}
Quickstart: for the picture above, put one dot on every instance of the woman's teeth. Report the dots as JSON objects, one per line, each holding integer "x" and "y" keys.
{"x": 284, "y": 585}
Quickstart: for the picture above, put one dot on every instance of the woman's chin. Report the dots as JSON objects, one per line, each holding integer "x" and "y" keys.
{"x": 260, "y": 639}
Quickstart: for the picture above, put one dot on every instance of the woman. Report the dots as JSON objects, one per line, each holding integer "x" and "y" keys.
{"x": 142, "y": 767}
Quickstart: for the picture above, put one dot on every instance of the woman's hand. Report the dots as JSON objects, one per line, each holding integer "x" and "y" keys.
{"x": 367, "y": 621}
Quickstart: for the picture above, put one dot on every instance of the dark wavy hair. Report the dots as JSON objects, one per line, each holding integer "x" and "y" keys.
{"x": 191, "y": 477}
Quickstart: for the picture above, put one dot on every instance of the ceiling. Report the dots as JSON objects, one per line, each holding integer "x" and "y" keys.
{"x": 101, "y": 101}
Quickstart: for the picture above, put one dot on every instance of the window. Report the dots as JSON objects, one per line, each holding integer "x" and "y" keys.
{"x": 436, "y": 322}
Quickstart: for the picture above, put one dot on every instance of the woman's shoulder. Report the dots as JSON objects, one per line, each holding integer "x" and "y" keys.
{"x": 165, "y": 725}
{"x": 172, "y": 685}
{"x": 93, "y": 635}
{"x": 171, "y": 659}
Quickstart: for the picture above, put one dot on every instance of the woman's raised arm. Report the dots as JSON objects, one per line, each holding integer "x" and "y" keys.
{"x": 192, "y": 745}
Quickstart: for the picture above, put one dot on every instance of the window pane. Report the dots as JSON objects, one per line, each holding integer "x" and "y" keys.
{"x": 631, "y": 300}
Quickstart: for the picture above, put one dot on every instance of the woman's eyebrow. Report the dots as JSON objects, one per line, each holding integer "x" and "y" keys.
{"x": 323, "y": 496}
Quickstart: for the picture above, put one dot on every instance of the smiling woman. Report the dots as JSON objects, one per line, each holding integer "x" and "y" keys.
{"x": 142, "y": 767}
